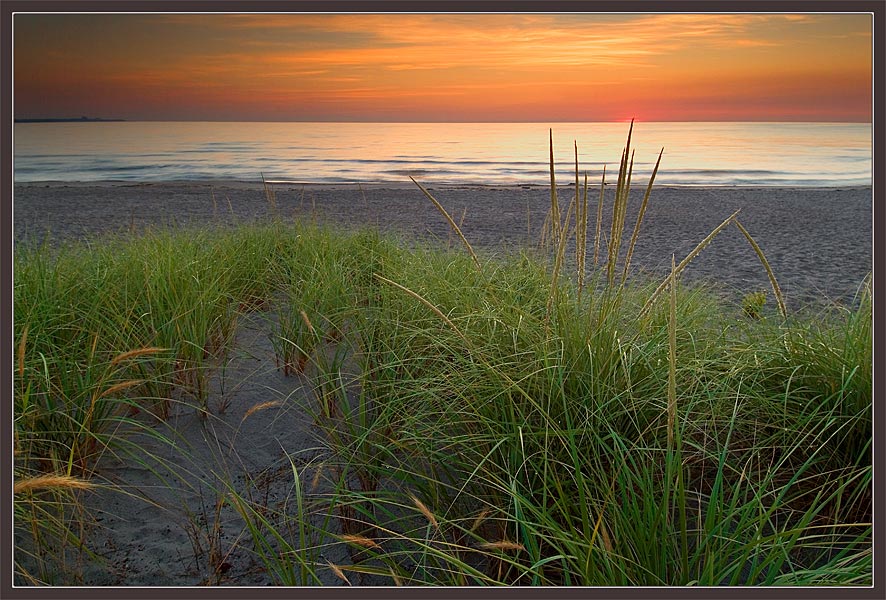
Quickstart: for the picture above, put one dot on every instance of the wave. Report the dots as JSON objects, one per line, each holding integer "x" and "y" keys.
{"x": 741, "y": 154}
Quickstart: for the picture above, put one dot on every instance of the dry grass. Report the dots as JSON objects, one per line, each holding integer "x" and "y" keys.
{"x": 259, "y": 407}
{"x": 135, "y": 353}
{"x": 359, "y": 540}
{"x": 555, "y": 204}
{"x": 425, "y": 511}
{"x": 672, "y": 355}
{"x": 776, "y": 289}
{"x": 56, "y": 482}
{"x": 21, "y": 352}
{"x": 451, "y": 223}
{"x": 119, "y": 387}
{"x": 640, "y": 215}
{"x": 599, "y": 218}
{"x": 505, "y": 545}
{"x": 695, "y": 252}
{"x": 338, "y": 572}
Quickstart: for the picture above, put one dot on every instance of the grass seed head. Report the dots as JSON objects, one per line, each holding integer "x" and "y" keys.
{"x": 43, "y": 482}
{"x": 503, "y": 545}
{"x": 360, "y": 540}
{"x": 425, "y": 511}
{"x": 262, "y": 406}
{"x": 135, "y": 353}
{"x": 338, "y": 572}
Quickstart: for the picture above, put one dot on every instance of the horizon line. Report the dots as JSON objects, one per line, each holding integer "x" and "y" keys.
{"x": 627, "y": 120}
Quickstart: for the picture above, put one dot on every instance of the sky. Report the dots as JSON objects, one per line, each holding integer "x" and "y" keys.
{"x": 444, "y": 67}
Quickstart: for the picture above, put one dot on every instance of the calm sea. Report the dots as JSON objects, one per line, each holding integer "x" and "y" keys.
{"x": 710, "y": 154}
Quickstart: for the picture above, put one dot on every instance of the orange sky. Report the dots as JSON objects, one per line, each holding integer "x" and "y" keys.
{"x": 425, "y": 67}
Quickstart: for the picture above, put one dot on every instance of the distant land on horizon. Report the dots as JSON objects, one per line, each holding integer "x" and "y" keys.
{"x": 67, "y": 120}
{"x": 426, "y": 121}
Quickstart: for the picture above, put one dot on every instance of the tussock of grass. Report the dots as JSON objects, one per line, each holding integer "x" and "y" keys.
{"x": 489, "y": 422}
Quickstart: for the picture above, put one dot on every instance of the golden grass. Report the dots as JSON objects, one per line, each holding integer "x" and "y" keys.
{"x": 604, "y": 535}
{"x": 555, "y": 204}
{"x": 270, "y": 195}
{"x": 315, "y": 482}
{"x": 135, "y": 353}
{"x": 119, "y": 387}
{"x": 451, "y": 223}
{"x": 21, "y": 352}
{"x": 425, "y": 511}
{"x": 503, "y": 545}
{"x": 307, "y": 321}
{"x": 558, "y": 262}
{"x": 56, "y": 482}
{"x": 259, "y": 407}
{"x": 338, "y": 572}
{"x": 584, "y": 236}
{"x": 775, "y": 287}
{"x": 480, "y": 518}
{"x": 695, "y": 252}
{"x": 359, "y": 540}
{"x": 640, "y": 218}
{"x": 577, "y": 213}
{"x": 599, "y": 218}
{"x": 619, "y": 207}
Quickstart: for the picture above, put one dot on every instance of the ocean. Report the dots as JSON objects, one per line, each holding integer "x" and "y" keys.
{"x": 695, "y": 154}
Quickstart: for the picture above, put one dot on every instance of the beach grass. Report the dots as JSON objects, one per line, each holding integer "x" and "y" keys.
{"x": 488, "y": 420}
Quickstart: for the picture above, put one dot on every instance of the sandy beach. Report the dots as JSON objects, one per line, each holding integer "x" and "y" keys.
{"x": 305, "y": 299}
{"x": 818, "y": 241}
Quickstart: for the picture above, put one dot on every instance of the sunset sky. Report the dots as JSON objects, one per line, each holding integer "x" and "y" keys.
{"x": 427, "y": 67}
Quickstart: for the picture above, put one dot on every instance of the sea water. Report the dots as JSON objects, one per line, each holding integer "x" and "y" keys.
{"x": 695, "y": 154}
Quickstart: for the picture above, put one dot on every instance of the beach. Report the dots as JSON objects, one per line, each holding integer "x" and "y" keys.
{"x": 450, "y": 300}
{"x": 174, "y": 529}
{"x": 818, "y": 240}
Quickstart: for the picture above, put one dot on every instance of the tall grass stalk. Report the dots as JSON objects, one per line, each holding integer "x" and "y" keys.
{"x": 695, "y": 252}
{"x": 452, "y": 224}
{"x": 672, "y": 355}
{"x": 583, "y": 243}
{"x": 599, "y": 217}
{"x": 433, "y": 308}
{"x": 578, "y": 217}
{"x": 558, "y": 263}
{"x": 270, "y": 195}
{"x": 619, "y": 207}
{"x": 640, "y": 214}
{"x": 554, "y": 214}
{"x": 776, "y": 289}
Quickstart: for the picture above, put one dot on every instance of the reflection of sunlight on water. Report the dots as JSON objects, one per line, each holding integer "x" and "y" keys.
{"x": 810, "y": 154}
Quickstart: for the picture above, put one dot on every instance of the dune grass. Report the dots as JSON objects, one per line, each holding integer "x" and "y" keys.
{"x": 489, "y": 420}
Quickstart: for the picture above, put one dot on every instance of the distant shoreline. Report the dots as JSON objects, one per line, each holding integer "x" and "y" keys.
{"x": 71, "y": 120}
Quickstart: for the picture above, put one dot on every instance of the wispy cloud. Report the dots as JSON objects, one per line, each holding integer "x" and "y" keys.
{"x": 428, "y": 62}
{"x": 448, "y": 41}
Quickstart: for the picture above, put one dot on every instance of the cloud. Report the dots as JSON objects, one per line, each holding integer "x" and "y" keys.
{"x": 434, "y": 58}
